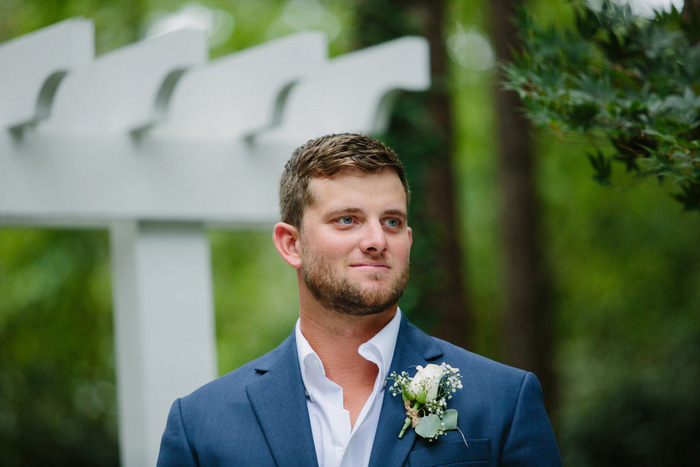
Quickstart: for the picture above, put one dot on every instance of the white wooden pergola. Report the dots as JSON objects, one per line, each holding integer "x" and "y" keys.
{"x": 156, "y": 143}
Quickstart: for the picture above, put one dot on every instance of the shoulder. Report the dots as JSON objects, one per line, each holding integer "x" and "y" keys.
{"x": 486, "y": 381}
{"x": 474, "y": 363}
{"x": 468, "y": 362}
{"x": 497, "y": 383}
{"x": 203, "y": 425}
{"x": 497, "y": 402}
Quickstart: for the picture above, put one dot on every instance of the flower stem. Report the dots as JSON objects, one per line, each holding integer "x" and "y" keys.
{"x": 406, "y": 424}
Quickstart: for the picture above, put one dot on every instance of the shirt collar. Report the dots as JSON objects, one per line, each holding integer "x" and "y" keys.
{"x": 379, "y": 349}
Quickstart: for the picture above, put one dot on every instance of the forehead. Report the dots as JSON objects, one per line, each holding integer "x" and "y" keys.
{"x": 353, "y": 188}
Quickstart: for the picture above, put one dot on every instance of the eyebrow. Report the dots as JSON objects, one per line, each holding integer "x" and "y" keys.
{"x": 397, "y": 213}
{"x": 390, "y": 212}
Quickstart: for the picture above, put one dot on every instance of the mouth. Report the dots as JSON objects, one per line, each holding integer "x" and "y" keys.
{"x": 371, "y": 266}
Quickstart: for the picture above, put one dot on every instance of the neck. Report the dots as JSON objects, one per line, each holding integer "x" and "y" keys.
{"x": 336, "y": 337}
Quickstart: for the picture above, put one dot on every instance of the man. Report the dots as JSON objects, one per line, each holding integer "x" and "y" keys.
{"x": 321, "y": 397}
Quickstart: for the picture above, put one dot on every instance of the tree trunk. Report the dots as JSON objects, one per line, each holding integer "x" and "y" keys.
{"x": 690, "y": 8}
{"x": 528, "y": 314}
{"x": 421, "y": 131}
{"x": 691, "y": 15}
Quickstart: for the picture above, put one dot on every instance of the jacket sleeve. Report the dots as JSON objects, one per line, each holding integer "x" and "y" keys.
{"x": 174, "y": 446}
{"x": 530, "y": 440}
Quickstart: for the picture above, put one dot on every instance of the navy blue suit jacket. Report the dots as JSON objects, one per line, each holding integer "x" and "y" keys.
{"x": 257, "y": 415}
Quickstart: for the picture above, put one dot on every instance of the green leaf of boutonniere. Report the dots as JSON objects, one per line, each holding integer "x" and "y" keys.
{"x": 449, "y": 419}
{"x": 428, "y": 427}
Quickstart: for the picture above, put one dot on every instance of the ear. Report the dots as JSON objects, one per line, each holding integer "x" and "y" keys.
{"x": 410, "y": 236}
{"x": 286, "y": 237}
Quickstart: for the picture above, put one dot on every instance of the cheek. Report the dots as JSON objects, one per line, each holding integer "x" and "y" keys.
{"x": 336, "y": 245}
{"x": 403, "y": 250}
{"x": 330, "y": 249}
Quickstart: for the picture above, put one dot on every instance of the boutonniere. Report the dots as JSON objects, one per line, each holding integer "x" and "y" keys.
{"x": 425, "y": 397}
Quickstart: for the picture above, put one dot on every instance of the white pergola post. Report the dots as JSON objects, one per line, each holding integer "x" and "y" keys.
{"x": 156, "y": 143}
{"x": 163, "y": 325}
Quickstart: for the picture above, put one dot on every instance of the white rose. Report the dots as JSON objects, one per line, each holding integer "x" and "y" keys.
{"x": 425, "y": 384}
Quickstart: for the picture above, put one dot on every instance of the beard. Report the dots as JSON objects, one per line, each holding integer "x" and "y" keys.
{"x": 339, "y": 294}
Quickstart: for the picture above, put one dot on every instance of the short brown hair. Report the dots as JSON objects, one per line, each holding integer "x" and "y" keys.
{"x": 326, "y": 156}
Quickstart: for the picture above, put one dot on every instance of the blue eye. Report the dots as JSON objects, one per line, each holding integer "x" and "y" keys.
{"x": 392, "y": 222}
{"x": 346, "y": 220}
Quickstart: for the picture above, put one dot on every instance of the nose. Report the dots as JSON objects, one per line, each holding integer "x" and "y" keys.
{"x": 373, "y": 238}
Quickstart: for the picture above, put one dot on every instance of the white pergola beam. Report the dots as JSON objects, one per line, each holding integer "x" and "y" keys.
{"x": 68, "y": 180}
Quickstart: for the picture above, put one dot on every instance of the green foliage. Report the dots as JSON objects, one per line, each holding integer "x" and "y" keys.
{"x": 252, "y": 286}
{"x": 644, "y": 414}
{"x": 57, "y": 389}
{"x": 628, "y": 306}
{"x": 625, "y": 270}
{"x": 630, "y": 85}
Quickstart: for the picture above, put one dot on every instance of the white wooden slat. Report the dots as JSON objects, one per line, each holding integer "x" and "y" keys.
{"x": 349, "y": 94}
{"x": 118, "y": 92}
{"x": 242, "y": 93}
{"x": 31, "y": 67}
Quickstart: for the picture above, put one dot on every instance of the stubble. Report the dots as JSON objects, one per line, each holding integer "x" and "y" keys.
{"x": 341, "y": 295}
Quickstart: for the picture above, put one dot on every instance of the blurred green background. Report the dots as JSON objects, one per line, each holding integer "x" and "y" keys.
{"x": 624, "y": 263}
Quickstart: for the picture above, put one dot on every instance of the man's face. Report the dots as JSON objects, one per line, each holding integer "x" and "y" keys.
{"x": 355, "y": 243}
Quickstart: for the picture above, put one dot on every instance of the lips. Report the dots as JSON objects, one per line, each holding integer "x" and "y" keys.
{"x": 371, "y": 265}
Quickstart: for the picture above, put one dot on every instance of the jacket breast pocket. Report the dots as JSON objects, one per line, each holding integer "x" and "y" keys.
{"x": 452, "y": 454}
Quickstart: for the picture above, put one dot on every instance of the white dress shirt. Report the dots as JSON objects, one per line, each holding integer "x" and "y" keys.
{"x": 337, "y": 443}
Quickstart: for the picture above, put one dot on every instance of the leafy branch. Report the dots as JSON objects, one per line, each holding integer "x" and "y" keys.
{"x": 631, "y": 85}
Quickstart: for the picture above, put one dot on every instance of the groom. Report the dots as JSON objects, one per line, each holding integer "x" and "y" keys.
{"x": 321, "y": 397}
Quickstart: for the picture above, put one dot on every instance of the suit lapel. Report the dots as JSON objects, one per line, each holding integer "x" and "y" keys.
{"x": 279, "y": 402}
{"x": 413, "y": 347}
